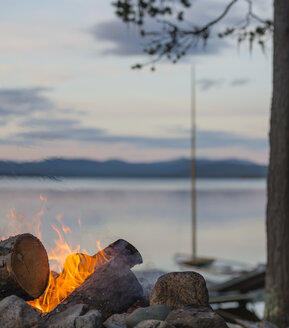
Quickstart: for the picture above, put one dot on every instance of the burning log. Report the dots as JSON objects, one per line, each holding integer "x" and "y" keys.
{"x": 112, "y": 287}
{"x": 121, "y": 250}
{"x": 24, "y": 268}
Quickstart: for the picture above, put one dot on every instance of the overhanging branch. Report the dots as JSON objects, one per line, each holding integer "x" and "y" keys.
{"x": 173, "y": 40}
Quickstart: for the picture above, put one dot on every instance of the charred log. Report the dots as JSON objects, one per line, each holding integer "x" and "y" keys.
{"x": 123, "y": 251}
{"x": 24, "y": 268}
{"x": 120, "y": 250}
{"x": 112, "y": 287}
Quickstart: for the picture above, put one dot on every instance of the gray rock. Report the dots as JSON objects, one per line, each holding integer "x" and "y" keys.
{"x": 149, "y": 324}
{"x": 157, "y": 312}
{"x": 66, "y": 319}
{"x": 180, "y": 289}
{"x": 76, "y": 317}
{"x": 16, "y": 313}
{"x": 164, "y": 324}
{"x": 198, "y": 317}
{"x": 92, "y": 319}
{"x": 249, "y": 324}
{"x": 63, "y": 324}
{"x": 153, "y": 324}
{"x": 116, "y": 321}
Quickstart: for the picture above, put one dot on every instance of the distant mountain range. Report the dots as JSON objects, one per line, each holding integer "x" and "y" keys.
{"x": 179, "y": 168}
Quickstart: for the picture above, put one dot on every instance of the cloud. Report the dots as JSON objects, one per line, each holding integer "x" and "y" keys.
{"x": 80, "y": 134}
{"x": 125, "y": 40}
{"x": 122, "y": 39}
{"x": 206, "y": 139}
{"x": 29, "y": 103}
{"x": 21, "y": 102}
{"x": 239, "y": 82}
{"x": 220, "y": 139}
{"x": 69, "y": 130}
{"x": 206, "y": 84}
{"x": 49, "y": 123}
{"x": 95, "y": 135}
{"x": 26, "y": 103}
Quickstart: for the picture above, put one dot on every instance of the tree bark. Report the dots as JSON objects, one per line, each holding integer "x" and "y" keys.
{"x": 24, "y": 268}
{"x": 277, "y": 277}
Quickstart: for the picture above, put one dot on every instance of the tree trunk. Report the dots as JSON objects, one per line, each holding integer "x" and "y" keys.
{"x": 277, "y": 277}
{"x": 24, "y": 268}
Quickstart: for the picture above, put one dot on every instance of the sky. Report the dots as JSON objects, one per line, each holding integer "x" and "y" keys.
{"x": 67, "y": 89}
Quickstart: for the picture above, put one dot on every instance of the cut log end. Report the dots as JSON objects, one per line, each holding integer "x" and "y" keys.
{"x": 30, "y": 265}
{"x": 25, "y": 270}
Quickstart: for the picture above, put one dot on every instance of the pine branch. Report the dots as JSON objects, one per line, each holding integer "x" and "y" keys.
{"x": 173, "y": 40}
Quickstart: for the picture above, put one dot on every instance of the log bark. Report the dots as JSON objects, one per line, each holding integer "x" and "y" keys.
{"x": 24, "y": 268}
{"x": 113, "y": 287}
{"x": 123, "y": 251}
{"x": 277, "y": 276}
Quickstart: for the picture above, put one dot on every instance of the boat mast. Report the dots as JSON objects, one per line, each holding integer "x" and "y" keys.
{"x": 193, "y": 162}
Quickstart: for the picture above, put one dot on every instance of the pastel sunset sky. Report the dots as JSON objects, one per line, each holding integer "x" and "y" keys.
{"x": 67, "y": 90}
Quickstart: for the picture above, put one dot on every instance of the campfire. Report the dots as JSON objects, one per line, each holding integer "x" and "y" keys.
{"x": 26, "y": 271}
{"x": 83, "y": 279}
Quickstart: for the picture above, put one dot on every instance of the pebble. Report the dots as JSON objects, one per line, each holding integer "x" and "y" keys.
{"x": 156, "y": 312}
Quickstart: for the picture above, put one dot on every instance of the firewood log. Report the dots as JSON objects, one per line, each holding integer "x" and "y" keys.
{"x": 24, "y": 268}
{"x": 125, "y": 252}
{"x": 112, "y": 287}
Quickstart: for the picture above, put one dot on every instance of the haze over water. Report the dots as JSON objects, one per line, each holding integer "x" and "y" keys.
{"x": 153, "y": 214}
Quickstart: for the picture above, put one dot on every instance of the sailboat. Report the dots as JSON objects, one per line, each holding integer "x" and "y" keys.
{"x": 211, "y": 265}
{"x": 194, "y": 260}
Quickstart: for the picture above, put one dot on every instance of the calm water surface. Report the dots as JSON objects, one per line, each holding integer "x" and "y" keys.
{"x": 153, "y": 214}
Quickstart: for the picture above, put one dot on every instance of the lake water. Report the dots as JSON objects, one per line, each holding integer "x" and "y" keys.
{"x": 153, "y": 214}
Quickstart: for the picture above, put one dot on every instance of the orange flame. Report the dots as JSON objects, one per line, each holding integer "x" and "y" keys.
{"x": 18, "y": 224}
{"x": 73, "y": 267}
{"x": 76, "y": 268}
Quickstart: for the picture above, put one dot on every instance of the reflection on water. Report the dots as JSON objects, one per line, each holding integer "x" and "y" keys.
{"x": 153, "y": 214}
